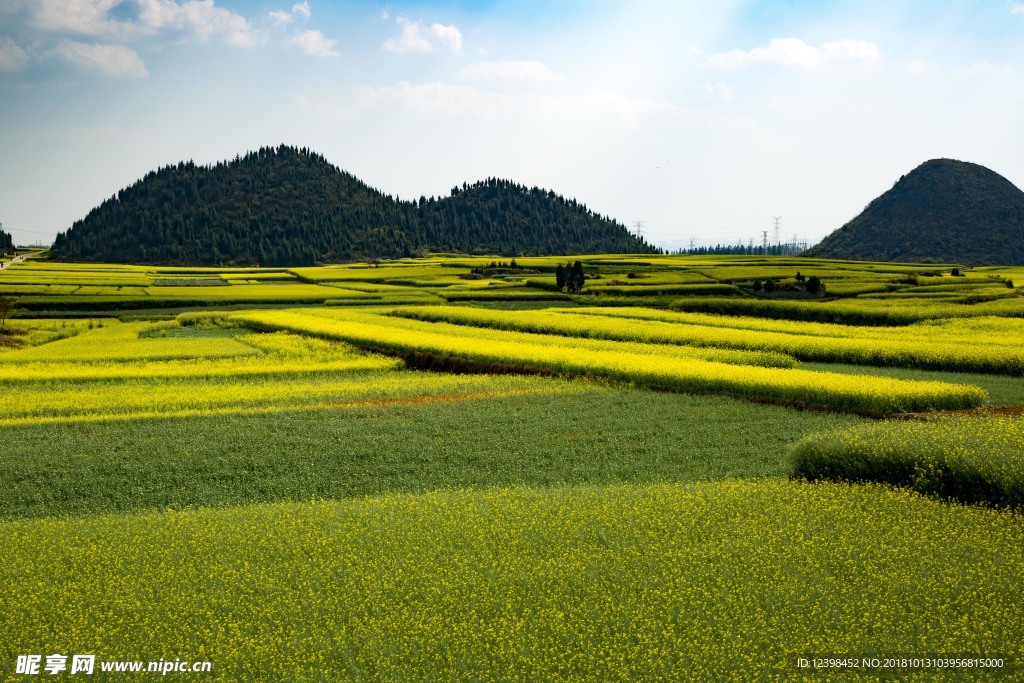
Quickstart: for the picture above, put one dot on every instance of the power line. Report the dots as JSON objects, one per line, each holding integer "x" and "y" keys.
{"x": 32, "y": 232}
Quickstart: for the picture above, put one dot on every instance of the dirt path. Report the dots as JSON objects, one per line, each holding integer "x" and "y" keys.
{"x": 17, "y": 259}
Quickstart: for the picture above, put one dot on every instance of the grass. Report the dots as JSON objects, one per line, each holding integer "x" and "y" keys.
{"x": 539, "y": 439}
{"x": 723, "y": 581}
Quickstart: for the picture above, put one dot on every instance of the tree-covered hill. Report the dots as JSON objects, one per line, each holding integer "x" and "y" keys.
{"x": 6, "y": 243}
{"x": 943, "y": 211}
{"x": 288, "y": 206}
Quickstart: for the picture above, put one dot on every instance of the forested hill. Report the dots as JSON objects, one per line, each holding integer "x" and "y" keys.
{"x": 288, "y": 206}
{"x": 6, "y": 243}
{"x": 943, "y": 211}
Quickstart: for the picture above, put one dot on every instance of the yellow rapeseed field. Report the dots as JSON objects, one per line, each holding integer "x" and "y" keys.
{"x": 848, "y": 392}
{"x": 807, "y": 341}
{"x": 722, "y": 581}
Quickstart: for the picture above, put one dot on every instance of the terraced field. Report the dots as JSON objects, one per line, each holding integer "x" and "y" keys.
{"x": 448, "y": 469}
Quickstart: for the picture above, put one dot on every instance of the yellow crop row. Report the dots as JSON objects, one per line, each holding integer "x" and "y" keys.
{"x": 627, "y": 324}
{"x": 847, "y": 392}
{"x": 283, "y": 354}
{"x": 735, "y": 357}
{"x": 69, "y": 401}
{"x": 981, "y": 330}
{"x": 121, "y": 341}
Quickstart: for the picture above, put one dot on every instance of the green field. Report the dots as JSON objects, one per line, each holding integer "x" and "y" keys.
{"x": 409, "y": 471}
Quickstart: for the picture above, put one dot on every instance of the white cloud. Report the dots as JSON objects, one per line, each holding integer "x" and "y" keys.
{"x": 197, "y": 19}
{"x": 1017, "y": 8}
{"x": 88, "y": 17}
{"x": 280, "y": 17}
{"x": 200, "y": 19}
{"x": 720, "y": 91}
{"x": 524, "y": 70}
{"x": 302, "y": 9}
{"x": 795, "y": 52}
{"x": 115, "y": 61}
{"x": 419, "y": 38}
{"x": 11, "y": 55}
{"x": 314, "y": 43}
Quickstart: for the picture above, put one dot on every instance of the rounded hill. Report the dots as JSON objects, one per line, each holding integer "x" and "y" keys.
{"x": 944, "y": 211}
{"x": 289, "y": 206}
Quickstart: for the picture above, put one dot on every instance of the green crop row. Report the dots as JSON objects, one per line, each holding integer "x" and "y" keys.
{"x": 969, "y": 459}
{"x": 598, "y": 286}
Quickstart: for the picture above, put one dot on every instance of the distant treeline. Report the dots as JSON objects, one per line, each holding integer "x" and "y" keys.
{"x": 6, "y": 243}
{"x": 744, "y": 249}
{"x": 289, "y": 206}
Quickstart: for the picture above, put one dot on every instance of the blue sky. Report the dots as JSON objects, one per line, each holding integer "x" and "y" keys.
{"x": 703, "y": 120}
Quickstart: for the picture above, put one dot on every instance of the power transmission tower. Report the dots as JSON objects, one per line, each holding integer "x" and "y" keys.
{"x": 638, "y": 226}
{"x": 764, "y": 241}
{"x": 776, "y": 228}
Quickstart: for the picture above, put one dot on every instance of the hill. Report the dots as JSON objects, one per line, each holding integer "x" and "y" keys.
{"x": 943, "y": 211}
{"x": 288, "y": 206}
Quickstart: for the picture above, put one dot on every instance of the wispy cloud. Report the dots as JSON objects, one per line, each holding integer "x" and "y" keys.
{"x": 523, "y": 70}
{"x": 115, "y": 61}
{"x": 314, "y": 43}
{"x": 1017, "y": 8}
{"x": 602, "y": 108}
{"x": 793, "y": 52}
{"x": 199, "y": 20}
{"x": 302, "y": 9}
{"x": 12, "y": 56}
{"x": 420, "y": 38}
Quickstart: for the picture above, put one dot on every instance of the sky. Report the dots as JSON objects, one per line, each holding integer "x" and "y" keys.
{"x": 691, "y": 121}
